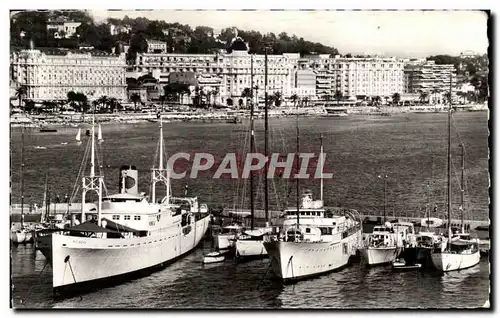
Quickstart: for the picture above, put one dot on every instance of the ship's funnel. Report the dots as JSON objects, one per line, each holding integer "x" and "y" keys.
{"x": 128, "y": 180}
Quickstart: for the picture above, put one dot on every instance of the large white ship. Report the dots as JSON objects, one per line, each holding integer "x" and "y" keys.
{"x": 126, "y": 233}
{"x": 319, "y": 243}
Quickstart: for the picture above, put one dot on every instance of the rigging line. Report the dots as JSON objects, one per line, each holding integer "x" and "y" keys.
{"x": 454, "y": 126}
{"x": 81, "y": 171}
{"x": 243, "y": 182}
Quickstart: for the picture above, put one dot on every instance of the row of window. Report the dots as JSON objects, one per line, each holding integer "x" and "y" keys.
{"x": 126, "y": 217}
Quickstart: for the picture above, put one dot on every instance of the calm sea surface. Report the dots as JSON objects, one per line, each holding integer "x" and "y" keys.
{"x": 410, "y": 149}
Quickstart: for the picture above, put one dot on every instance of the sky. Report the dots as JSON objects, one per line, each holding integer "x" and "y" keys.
{"x": 391, "y": 33}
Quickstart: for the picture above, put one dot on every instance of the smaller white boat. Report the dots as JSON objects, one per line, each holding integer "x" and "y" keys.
{"x": 401, "y": 265}
{"x": 381, "y": 246}
{"x": 79, "y": 137}
{"x": 28, "y": 235}
{"x": 213, "y": 257}
{"x": 17, "y": 236}
{"x": 431, "y": 222}
{"x": 40, "y": 147}
{"x": 64, "y": 143}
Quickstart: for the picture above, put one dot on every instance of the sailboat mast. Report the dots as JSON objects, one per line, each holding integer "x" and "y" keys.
{"x": 92, "y": 160}
{"x": 321, "y": 165}
{"x": 462, "y": 189}
{"x": 252, "y": 143}
{"x": 298, "y": 154}
{"x": 385, "y": 198}
{"x": 161, "y": 144}
{"x": 44, "y": 208}
{"x": 266, "y": 128}
{"x": 21, "y": 176}
{"x": 449, "y": 167}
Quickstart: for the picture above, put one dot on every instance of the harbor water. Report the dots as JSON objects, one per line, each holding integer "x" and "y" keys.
{"x": 409, "y": 148}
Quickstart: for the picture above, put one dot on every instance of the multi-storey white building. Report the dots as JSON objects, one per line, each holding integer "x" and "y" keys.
{"x": 356, "y": 77}
{"x": 228, "y": 73}
{"x": 51, "y": 77}
{"x": 429, "y": 77}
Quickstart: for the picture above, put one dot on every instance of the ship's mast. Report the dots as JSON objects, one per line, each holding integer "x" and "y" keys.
{"x": 298, "y": 167}
{"x": 449, "y": 166}
{"x": 321, "y": 165}
{"x": 252, "y": 142}
{"x": 160, "y": 174}
{"x": 266, "y": 128}
{"x": 21, "y": 176}
{"x": 462, "y": 190}
{"x": 92, "y": 182}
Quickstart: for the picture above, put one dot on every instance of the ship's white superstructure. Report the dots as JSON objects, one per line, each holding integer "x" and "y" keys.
{"x": 322, "y": 241}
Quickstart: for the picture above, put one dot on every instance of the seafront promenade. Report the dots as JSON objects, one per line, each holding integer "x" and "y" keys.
{"x": 71, "y": 118}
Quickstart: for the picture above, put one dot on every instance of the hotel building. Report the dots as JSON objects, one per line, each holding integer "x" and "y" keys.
{"x": 355, "y": 78}
{"x": 51, "y": 76}
{"x": 430, "y": 78}
{"x": 227, "y": 73}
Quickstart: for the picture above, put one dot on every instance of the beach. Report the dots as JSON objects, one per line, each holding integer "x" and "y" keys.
{"x": 198, "y": 115}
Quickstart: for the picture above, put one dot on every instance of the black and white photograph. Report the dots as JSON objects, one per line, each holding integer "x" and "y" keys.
{"x": 250, "y": 159}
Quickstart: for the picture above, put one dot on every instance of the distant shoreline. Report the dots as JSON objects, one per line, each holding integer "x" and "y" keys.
{"x": 73, "y": 120}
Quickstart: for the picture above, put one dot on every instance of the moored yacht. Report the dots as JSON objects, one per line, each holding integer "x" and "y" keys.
{"x": 226, "y": 236}
{"x": 420, "y": 251}
{"x": 320, "y": 243}
{"x": 457, "y": 252}
{"x": 250, "y": 244}
{"x": 17, "y": 236}
{"x": 381, "y": 246}
{"x": 126, "y": 233}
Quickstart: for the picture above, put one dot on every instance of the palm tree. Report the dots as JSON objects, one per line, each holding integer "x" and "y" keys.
{"x": 103, "y": 100}
{"x": 294, "y": 99}
{"x": 278, "y": 98}
{"x": 162, "y": 100}
{"x": 447, "y": 97}
{"x": 135, "y": 98}
{"x": 112, "y": 103}
{"x": 423, "y": 96}
{"x": 435, "y": 91}
{"x": 216, "y": 93}
{"x": 338, "y": 96}
{"x": 247, "y": 94}
{"x": 396, "y": 98}
{"x": 306, "y": 101}
{"x": 21, "y": 92}
{"x": 377, "y": 100}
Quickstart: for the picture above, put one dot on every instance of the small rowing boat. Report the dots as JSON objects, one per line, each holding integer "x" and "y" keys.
{"x": 214, "y": 257}
{"x": 401, "y": 266}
